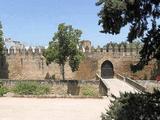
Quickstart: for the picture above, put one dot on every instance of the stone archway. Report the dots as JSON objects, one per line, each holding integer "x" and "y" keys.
{"x": 107, "y": 69}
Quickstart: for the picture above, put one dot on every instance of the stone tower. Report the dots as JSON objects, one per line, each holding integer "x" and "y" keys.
{"x": 85, "y": 45}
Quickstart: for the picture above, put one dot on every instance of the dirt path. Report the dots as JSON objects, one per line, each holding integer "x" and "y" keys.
{"x": 51, "y": 109}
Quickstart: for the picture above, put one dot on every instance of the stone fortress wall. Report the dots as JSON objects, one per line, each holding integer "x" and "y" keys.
{"x": 22, "y": 63}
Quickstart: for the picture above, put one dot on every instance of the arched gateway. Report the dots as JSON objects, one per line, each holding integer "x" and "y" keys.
{"x": 107, "y": 69}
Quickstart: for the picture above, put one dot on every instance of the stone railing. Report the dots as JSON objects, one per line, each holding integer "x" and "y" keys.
{"x": 133, "y": 83}
{"x": 103, "y": 88}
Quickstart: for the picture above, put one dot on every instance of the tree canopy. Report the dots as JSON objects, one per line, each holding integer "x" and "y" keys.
{"x": 143, "y": 18}
{"x": 64, "y": 47}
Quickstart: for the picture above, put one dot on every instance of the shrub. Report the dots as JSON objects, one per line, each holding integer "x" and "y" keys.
{"x": 145, "y": 77}
{"x": 53, "y": 77}
{"x": 31, "y": 88}
{"x": 43, "y": 89}
{"x": 136, "y": 106}
{"x": 3, "y": 90}
{"x": 88, "y": 90}
{"x": 1, "y": 83}
{"x": 25, "y": 88}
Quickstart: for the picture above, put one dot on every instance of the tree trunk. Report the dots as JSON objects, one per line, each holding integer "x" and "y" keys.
{"x": 62, "y": 72}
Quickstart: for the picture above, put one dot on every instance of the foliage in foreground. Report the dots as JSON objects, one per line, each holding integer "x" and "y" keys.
{"x": 31, "y": 88}
{"x": 137, "y": 106}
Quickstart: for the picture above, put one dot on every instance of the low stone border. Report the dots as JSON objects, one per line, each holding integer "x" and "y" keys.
{"x": 72, "y": 97}
{"x": 52, "y": 96}
{"x": 8, "y": 82}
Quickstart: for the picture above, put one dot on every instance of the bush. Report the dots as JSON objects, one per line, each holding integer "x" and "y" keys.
{"x": 1, "y": 83}
{"x": 43, "y": 89}
{"x": 137, "y": 106}
{"x": 53, "y": 77}
{"x": 88, "y": 90}
{"x": 31, "y": 88}
{"x": 145, "y": 77}
{"x": 3, "y": 90}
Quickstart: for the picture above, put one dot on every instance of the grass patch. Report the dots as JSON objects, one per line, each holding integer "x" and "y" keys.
{"x": 89, "y": 90}
{"x": 3, "y": 90}
{"x": 31, "y": 88}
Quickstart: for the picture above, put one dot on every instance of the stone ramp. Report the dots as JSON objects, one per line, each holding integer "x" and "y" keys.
{"x": 116, "y": 86}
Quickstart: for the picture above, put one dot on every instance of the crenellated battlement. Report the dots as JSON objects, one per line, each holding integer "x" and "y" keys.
{"x": 23, "y": 51}
{"x": 124, "y": 49}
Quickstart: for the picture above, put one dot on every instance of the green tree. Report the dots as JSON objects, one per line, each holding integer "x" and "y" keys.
{"x": 64, "y": 47}
{"x": 142, "y": 16}
{"x": 1, "y": 40}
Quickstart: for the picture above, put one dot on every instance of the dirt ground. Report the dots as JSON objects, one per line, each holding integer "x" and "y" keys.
{"x": 59, "y": 109}
{"x": 51, "y": 109}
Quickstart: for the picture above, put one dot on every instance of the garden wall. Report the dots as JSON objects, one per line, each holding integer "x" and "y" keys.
{"x": 65, "y": 87}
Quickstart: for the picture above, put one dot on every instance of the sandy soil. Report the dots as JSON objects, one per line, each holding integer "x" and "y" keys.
{"x": 59, "y": 109}
{"x": 51, "y": 109}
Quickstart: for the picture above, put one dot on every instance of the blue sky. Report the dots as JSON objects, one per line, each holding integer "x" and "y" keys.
{"x": 34, "y": 21}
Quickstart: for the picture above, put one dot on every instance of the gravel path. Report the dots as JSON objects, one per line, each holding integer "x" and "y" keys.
{"x": 51, "y": 109}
